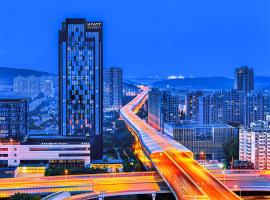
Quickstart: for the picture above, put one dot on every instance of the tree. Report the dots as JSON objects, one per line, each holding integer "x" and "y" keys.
{"x": 21, "y": 196}
{"x": 120, "y": 125}
{"x": 231, "y": 149}
{"x": 137, "y": 166}
{"x": 127, "y": 166}
{"x": 182, "y": 115}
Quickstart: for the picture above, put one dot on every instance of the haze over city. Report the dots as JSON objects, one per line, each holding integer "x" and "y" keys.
{"x": 146, "y": 38}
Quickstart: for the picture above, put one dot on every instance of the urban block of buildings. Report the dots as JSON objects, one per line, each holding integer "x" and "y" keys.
{"x": 208, "y": 113}
{"x": 241, "y": 105}
{"x": 229, "y": 106}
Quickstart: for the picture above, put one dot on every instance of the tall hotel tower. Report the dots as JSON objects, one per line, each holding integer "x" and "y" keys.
{"x": 80, "y": 82}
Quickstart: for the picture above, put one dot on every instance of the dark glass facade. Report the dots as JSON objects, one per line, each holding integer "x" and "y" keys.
{"x": 162, "y": 107}
{"x": 13, "y": 118}
{"x": 244, "y": 79}
{"x": 208, "y": 139}
{"x": 113, "y": 88}
{"x": 80, "y": 82}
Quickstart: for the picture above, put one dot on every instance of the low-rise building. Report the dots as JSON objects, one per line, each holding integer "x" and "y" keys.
{"x": 13, "y": 118}
{"x": 205, "y": 141}
{"x": 56, "y": 151}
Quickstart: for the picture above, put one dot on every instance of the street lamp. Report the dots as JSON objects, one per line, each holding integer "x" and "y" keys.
{"x": 66, "y": 173}
{"x": 102, "y": 195}
{"x": 235, "y": 187}
{"x": 113, "y": 171}
{"x": 223, "y": 172}
{"x": 202, "y": 155}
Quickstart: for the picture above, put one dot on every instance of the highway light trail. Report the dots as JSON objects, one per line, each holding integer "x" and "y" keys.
{"x": 175, "y": 163}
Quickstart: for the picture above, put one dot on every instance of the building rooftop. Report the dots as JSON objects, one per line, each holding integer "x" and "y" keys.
{"x": 12, "y": 100}
{"x": 54, "y": 139}
{"x": 194, "y": 125}
{"x": 260, "y": 124}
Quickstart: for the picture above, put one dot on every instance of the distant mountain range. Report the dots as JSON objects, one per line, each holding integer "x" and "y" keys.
{"x": 261, "y": 82}
{"x": 7, "y": 74}
{"x": 130, "y": 82}
{"x": 217, "y": 83}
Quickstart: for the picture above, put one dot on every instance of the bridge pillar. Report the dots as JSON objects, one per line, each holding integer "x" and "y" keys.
{"x": 101, "y": 196}
{"x": 154, "y": 196}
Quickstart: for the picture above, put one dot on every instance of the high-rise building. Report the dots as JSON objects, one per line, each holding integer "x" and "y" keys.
{"x": 254, "y": 144}
{"x": 234, "y": 106}
{"x": 205, "y": 141}
{"x": 113, "y": 88}
{"x": 13, "y": 118}
{"x": 29, "y": 84}
{"x": 80, "y": 82}
{"x": 211, "y": 108}
{"x": 171, "y": 111}
{"x": 162, "y": 107}
{"x": 34, "y": 85}
{"x": 192, "y": 105}
{"x": 244, "y": 79}
{"x": 155, "y": 103}
{"x": 48, "y": 89}
{"x": 257, "y": 107}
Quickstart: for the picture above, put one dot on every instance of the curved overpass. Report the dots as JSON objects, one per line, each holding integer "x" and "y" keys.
{"x": 175, "y": 163}
{"x": 118, "y": 184}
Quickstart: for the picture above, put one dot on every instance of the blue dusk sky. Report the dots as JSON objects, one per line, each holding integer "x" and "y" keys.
{"x": 145, "y": 37}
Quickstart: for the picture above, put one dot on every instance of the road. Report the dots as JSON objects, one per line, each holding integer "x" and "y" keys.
{"x": 128, "y": 183}
{"x": 245, "y": 181}
{"x": 190, "y": 179}
{"x": 118, "y": 182}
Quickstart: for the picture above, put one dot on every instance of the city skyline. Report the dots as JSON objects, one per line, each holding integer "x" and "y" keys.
{"x": 198, "y": 36}
{"x": 93, "y": 119}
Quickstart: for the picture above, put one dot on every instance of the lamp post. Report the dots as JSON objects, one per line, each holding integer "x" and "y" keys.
{"x": 160, "y": 153}
{"x": 113, "y": 176}
{"x": 202, "y": 155}
{"x": 223, "y": 172}
{"x": 66, "y": 173}
{"x": 235, "y": 187}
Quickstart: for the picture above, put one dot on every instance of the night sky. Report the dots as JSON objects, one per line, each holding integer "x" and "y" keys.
{"x": 145, "y": 37}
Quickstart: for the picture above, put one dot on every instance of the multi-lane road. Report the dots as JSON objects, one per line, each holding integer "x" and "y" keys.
{"x": 191, "y": 181}
{"x": 110, "y": 183}
{"x": 126, "y": 183}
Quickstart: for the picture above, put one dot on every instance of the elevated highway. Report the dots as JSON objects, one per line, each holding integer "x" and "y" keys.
{"x": 93, "y": 186}
{"x": 175, "y": 163}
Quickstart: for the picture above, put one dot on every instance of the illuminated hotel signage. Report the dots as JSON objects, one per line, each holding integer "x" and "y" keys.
{"x": 94, "y": 25}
